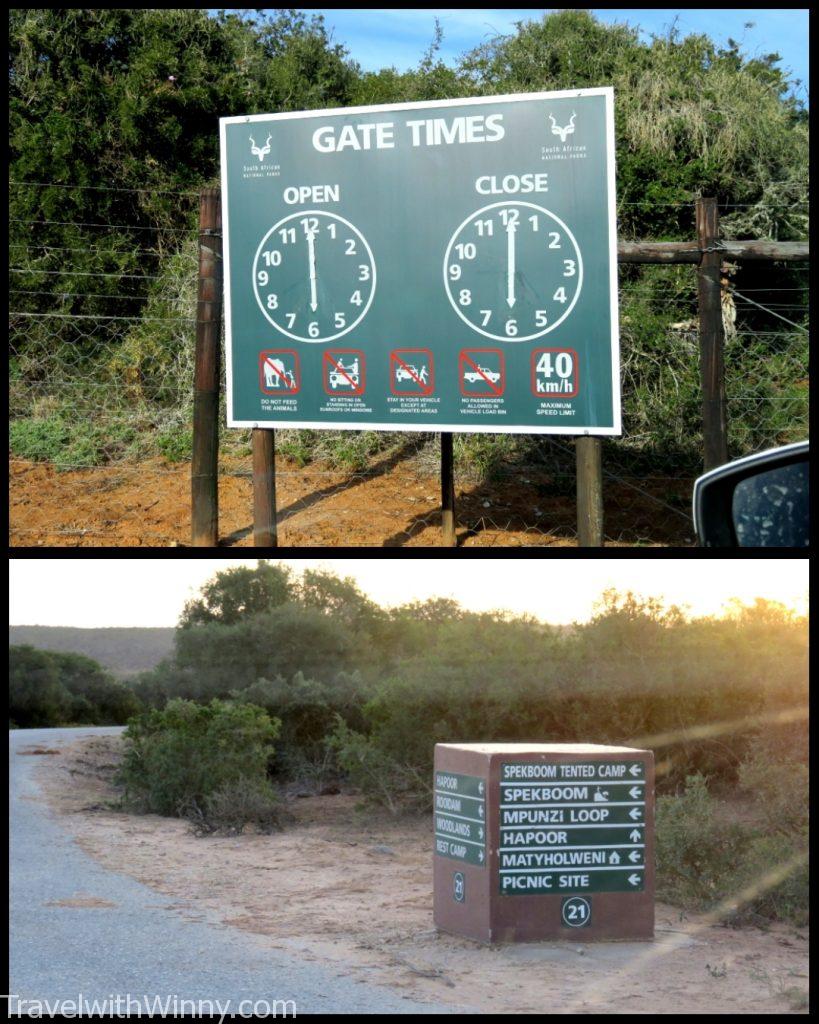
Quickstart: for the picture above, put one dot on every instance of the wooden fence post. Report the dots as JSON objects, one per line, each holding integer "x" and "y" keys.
{"x": 447, "y": 492}
{"x": 205, "y": 454}
{"x": 265, "y": 534}
{"x": 588, "y": 451}
{"x": 712, "y": 358}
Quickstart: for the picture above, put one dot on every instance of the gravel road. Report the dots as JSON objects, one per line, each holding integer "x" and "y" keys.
{"x": 79, "y": 929}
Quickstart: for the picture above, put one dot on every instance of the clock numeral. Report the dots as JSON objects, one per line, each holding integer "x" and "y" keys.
{"x": 554, "y": 240}
{"x": 570, "y": 268}
{"x": 313, "y": 329}
{"x": 540, "y": 318}
{"x": 272, "y": 301}
{"x": 534, "y": 221}
{"x": 484, "y": 227}
{"x": 511, "y": 328}
{"x": 332, "y": 229}
{"x": 262, "y": 277}
{"x": 510, "y": 217}
{"x": 291, "y": 319}
{"x": 310, "y": 225}
{"x": 288, "y": 235}
{"x": 466, "y": 251}
{"x": 486, "y": 313}
{"x": 455, "y": 272}
{"x": 465, "y": 298}
{"x": 341, "y": 320}
{"x": 356, "y": 299}
{"x": 350, "y": 250}
{"x": 560, "y": 295}
{"x": 364, "y": 272}
{"x": 272, "y": 258}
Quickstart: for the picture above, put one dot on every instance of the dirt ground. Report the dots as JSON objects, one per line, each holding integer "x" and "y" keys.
{"x": 394, "y": 505}
{"x": 351, "y": 889}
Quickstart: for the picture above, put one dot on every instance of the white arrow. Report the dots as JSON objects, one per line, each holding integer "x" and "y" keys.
{"x": 510, "y": 264}
{"x": 634, "y": 836}
{"x": 614, "y": 858}
{"x": 634, "y": 857}
{"x": 635, "y": 770}
{"x": 480, "y": 811}
{"x": 634, "y": 879}
{"x": 311, "y": 256}
{"x": 480, "y": 855}
{"x": 480, "y": 789}
{"x": 634, "y": 813}
{"x": 634, "y": 792}
{"x": 480, "y": 833}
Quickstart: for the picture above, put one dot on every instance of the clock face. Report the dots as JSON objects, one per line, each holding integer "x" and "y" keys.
{"x": 314, "y": 276}
{"x": 513, "y": 271}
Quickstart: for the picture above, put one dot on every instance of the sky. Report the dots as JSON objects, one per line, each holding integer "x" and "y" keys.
{"x": 380, "y": 38}
{"x": 152, "y": 591}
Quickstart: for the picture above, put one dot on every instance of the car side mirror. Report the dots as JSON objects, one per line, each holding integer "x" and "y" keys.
{"x": 757, "y": 502}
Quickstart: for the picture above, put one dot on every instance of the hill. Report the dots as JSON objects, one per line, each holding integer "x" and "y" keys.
{"x": 122, "y": 650}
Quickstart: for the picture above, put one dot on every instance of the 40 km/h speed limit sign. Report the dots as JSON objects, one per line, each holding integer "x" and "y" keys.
{"x": 447, "y": 266}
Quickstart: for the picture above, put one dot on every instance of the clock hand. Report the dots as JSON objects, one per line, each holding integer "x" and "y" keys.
{"x": 510, "y": 264}
{"x": 311, "y": 256}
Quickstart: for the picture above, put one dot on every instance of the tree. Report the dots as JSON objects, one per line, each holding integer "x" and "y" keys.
{"x": 239, "y": 592}
{"x": 36, "y": 696}
{"x": 217, "y": 657}
{"x": 97, "y": 697}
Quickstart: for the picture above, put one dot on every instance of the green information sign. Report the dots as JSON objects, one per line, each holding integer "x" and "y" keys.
{"x": 446, "y": 266}
{"x": 460, "y": 817}
{"x": 577, "y": 827}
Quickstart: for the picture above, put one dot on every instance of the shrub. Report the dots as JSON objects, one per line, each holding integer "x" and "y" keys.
{"x": 779, "y": 786}
{"x": 214, "y": 658}
{"x": 175, "y": 759}
{"x": 245, "y": 801}
{"x": 382, "y": 778}
{"x": 307, "y": 710}
{"x": 37, "y": 698}
{"x": 705, "y": 858}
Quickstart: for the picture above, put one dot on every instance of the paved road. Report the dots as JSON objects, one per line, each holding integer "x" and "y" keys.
{"x": 142, "y": 946}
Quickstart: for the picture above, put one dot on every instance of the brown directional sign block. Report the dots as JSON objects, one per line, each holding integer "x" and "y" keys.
{"x": 539, "y": 841}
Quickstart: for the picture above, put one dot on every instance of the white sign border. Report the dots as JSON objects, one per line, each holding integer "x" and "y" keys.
{"x": 424, "y": 425}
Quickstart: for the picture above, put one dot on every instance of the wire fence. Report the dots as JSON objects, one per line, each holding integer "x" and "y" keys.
{"x": 102, "y": 329}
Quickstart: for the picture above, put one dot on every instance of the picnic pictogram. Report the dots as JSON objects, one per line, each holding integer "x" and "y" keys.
{"x": 411, "y": 371}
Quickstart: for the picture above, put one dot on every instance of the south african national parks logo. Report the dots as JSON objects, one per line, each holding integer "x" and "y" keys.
{"x": 256, "y": 151}
{"x": 565, "y": 131}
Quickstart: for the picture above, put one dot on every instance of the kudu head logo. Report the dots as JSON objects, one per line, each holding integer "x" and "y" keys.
{"x": 260, "y": 153}
{"x": 563, "y": 132}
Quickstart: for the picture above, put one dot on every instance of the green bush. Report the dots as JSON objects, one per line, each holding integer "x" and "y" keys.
{"x": 175, "y": 444}
{"x": 307, "y": 710}
{"x": 705, "y": 857}
{"x": 236, "y": 804}
{"x": 395, "y": 784}
{"x": 71, "y": 441}
{"x": 37, "y": 697}
{"x": 38, "y": 439}
{"x": 49, "y": 688}
{"x": 177, "y": 758}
